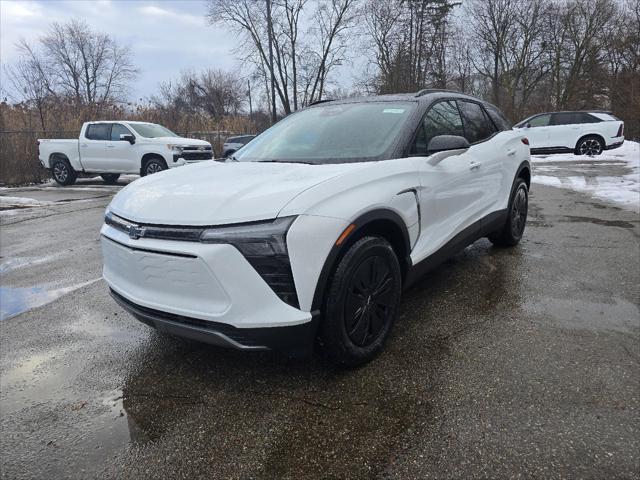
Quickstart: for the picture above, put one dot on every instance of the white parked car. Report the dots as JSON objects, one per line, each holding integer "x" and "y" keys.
{"x": 312, "y": 234}
{"x": 582, "y": 133}
{"x": 233, "y": 144}
{"x": 113, "y": 148}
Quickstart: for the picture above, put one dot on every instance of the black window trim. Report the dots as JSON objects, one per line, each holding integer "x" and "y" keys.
{"x": 407, "y": 150}
{"x": 419, "y": 125}
{"x": 487, "y": 116}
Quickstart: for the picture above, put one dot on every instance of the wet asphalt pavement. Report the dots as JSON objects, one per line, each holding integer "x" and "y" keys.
{"x": 504, "y": 363}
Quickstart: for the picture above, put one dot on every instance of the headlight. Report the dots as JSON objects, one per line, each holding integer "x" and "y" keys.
{"x": 264, "y": 246}
{"x": 175, "y": 148}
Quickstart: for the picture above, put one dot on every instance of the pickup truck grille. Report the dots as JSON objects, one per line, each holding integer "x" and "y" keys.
{"x": 197, "y": 155}
{"x": 196, "y": 152}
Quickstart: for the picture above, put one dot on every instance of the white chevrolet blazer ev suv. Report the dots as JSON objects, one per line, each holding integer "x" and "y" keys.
{"x": 308, "y": 236}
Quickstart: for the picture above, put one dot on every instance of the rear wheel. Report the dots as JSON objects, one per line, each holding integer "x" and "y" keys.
{"x": 153, "y": 165}
{"x": 513, "y": 229}
{"x": 591, "y": 146}
{"x": 110, "y": 178}
{"x": 361, "y": 303}
{"x": 62, "y": 172}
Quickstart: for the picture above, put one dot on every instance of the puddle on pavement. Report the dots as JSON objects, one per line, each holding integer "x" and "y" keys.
{"x": 618, "y": 315}
{"x": 17, "y": 300}
{"x": 600, "y": 221}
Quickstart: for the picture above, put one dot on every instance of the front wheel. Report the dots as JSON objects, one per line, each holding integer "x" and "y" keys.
{"x": 513, "y": 229}
{"x": 62, "y": 172}
{"x": 110, "y": 178}
{"x": 153, "y": 165}
{"x": 361, "y": 303}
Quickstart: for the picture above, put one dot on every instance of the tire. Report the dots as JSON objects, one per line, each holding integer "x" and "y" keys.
{"x": 110, "y": 178}
{"x": 62, "y": 172}
{"x": 153, "y": 165}
{"x": 513, "y": 229}
{"x": 357, "y": 320}
{"x": 590, "y": 145}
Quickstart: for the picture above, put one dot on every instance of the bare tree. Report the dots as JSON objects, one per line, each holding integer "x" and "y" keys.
{"x": 71, "y": 61}
{"x": 412, "y": 42}
{"x": 299, "y": 68}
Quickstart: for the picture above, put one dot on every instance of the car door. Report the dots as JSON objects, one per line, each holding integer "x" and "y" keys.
{"x": 537, "y": 131}
{"x": 122, "y": 155}
{"x": 448, "y": 199}
{"x": 488, "y": 155}
{"x": 93, "y": 146}
{"x": 563, "y": 131}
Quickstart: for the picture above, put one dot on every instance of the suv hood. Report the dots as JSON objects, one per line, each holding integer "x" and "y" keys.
{"x": 213, "y": 193}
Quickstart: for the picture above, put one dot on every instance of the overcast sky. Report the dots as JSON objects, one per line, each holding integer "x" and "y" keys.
{"x": 166, "y": 36}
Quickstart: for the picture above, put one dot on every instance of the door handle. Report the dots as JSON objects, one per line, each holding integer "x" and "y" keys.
{"x": 474, "y": 165}
{"x": 511, "y": 151}
{"x": 83, "y": 145}
{"x": 111, "y": 146}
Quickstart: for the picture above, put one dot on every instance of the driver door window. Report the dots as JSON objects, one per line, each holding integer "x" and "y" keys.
{"x": 442, "y": 119}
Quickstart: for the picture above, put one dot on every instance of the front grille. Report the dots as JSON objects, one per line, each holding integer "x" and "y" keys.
{"x": 275, "y": 270}
{"x": 196, "y": 155}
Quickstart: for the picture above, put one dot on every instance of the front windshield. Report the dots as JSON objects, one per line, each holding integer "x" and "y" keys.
{"x": 331, "y": 134}
{"x": 151, "y": 130}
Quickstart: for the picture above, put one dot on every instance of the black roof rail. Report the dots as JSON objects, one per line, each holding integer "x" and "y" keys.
{"x": 425, "y": 91}
{"x": 321, "y": 101}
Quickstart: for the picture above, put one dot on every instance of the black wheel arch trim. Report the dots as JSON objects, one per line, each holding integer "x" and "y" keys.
{"x": 525, "y": 165}
{"x": 336, "y": 252}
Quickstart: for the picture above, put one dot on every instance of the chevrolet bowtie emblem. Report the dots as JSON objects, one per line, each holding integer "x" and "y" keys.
{"x": 135, "y": 232}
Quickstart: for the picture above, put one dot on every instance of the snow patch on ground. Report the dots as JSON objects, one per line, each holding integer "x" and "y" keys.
{"x": 18, "y": 202}
{"x": 594, "y": 175}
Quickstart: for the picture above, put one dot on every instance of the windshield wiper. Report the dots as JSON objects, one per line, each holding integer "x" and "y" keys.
{"x": 285, "y": 161}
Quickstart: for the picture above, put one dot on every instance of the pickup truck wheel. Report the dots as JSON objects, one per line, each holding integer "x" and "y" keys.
{"x": 110, "y": 178}
{"x": 153, "y": 165}
{"x": 62, "y": 172}
{"x": 513, "y": 228}
{"x": 361, "y": 303}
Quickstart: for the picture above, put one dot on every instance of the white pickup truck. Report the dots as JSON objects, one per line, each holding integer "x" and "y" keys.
{"x": 113, "y": 148}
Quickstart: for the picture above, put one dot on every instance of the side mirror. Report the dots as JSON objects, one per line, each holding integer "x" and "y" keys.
{"x": 441, "y": 143}
{"x": 127, "y": 137}
{"x": 527, "y": 125}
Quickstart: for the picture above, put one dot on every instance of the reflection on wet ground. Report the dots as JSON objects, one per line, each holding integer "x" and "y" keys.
{"x": 14, "y": 301}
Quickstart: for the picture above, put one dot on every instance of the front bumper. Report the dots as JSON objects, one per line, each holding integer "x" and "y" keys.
{"x": 207, "y": 282}
{"x": 296, "y": 340}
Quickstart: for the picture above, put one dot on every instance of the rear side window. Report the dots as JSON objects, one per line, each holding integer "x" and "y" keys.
{"x": 98, "y": 131}
{"x": 441, "y": 119}
{"x": 562, "y": 118}
{"x": 498, "y": 118}
{"x": 117, "y": 130}
{"x": 583, "y": 117}
{"x": 540, "y": 121}
{"x": 477, "y": 125}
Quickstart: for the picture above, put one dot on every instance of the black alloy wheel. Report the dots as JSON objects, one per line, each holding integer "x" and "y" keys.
{"x": 369, "y": 301}
{"x": 590, "y": 146}
{"x": 512, "y": 230}
{"x": 361, "y": 302}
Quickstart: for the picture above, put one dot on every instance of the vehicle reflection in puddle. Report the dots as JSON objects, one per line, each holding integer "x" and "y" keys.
{"x": 17, "y": 300}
